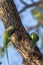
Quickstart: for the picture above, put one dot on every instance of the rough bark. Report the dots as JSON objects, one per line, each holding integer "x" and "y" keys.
{"x": 20, "y": 38}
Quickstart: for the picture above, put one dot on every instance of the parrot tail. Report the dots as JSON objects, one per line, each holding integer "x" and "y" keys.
{"x": 7, "y": 56}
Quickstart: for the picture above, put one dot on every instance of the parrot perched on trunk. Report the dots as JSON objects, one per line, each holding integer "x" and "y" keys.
{"x": 34, "y": 38}
{"x": 6, "y": 38}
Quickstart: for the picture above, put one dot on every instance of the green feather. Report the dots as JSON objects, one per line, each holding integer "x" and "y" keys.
{"x": 33, "y": 43}
{"x": 6, "y": 38}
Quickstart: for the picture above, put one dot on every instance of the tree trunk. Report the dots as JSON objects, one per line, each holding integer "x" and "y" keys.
{"x": 20, "y": 38}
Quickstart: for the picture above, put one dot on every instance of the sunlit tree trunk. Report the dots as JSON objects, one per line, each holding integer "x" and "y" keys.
{"x": 20, "y": 38}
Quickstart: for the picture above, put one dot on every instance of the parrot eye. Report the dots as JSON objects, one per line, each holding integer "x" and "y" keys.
{"x": 34, "y": 37}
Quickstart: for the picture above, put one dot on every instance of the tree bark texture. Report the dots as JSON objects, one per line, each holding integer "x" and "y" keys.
{"x": 20, "y": 38}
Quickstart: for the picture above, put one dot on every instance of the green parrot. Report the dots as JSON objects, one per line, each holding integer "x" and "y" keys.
{"x": 6, "y": 38}
{"x": 34, "y": 38}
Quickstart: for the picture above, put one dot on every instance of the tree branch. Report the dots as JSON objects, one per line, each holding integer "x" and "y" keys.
{"x": 28, "y": 6}
{"x": 20, "y": 38}
{"x": 23, "y": 2}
